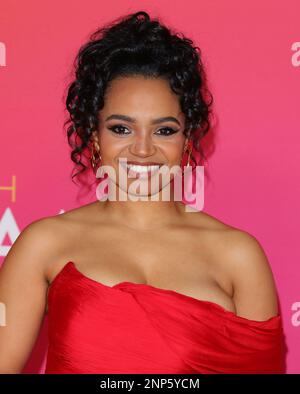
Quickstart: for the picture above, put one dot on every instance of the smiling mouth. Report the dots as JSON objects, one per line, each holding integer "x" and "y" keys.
{"x": 141, "y": 169}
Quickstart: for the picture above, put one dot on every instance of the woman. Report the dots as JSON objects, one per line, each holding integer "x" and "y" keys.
{"x": 139, "y": 286}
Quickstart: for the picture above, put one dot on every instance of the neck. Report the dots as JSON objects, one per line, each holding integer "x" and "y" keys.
{"x": 144, "y": 215}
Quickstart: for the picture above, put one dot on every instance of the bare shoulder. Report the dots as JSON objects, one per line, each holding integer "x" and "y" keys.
{"x": 38, "y": 234}
{"x": 51, "y": 236}
{"x": 244, "y": 260}
{"x": 51, "y": 228}
{"x": 37, "y": 241}
{"x": 52, "y": 233}
{"x": 44, "y": 238}
{"x": 255, "y": 293}
{"x": 44, "y": 232}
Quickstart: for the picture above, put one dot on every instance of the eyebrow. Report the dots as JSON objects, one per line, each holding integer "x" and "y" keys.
{"x": 133, "y": 120}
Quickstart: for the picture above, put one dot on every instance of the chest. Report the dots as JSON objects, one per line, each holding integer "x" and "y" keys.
{"x": 181, "y": 261}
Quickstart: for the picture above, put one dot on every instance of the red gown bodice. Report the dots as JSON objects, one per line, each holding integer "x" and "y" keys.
{"x": 139, "y": 328}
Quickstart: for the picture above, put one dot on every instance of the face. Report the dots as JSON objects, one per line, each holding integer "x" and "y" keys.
{"x": 131, "y": 127}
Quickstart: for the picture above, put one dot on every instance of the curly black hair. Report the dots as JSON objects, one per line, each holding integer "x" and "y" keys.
{"x": 135, "y": 45}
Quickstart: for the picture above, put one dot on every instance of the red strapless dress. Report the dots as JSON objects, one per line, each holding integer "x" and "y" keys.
{"x": 139, "y": 328}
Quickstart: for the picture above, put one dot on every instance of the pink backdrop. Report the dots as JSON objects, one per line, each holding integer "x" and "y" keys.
{"x": 252, "y": 53}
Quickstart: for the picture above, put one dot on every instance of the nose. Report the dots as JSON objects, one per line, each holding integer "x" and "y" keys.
{"x": 142, "y": 146}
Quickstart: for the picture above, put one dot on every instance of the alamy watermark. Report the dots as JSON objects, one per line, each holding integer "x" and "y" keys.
{"x": 161, "y": 185}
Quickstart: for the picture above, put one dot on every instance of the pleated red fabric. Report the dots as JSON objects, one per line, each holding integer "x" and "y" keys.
{"x": 139, "y": 328}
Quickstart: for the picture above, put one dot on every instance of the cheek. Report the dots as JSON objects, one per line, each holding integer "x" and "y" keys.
{"x": 173, "y": 150}
{"x": 109, "y": 145}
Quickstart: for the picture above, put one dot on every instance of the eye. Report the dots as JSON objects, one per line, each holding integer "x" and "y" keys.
{"x": 167, "y": 131}
{"x": 119, "y": 129}
{"x": 118, "y": 126}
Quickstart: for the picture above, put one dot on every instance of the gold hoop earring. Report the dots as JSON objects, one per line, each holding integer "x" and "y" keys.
{"x": 95, "y": 158}
{"x": 189, "y": 149}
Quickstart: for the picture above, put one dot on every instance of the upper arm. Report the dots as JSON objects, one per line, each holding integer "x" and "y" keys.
{"x": 23, "y": 289}
{"x": 254, "y": 289}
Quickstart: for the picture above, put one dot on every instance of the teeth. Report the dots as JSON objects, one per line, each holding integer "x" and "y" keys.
{"x": 137, "y": 168}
